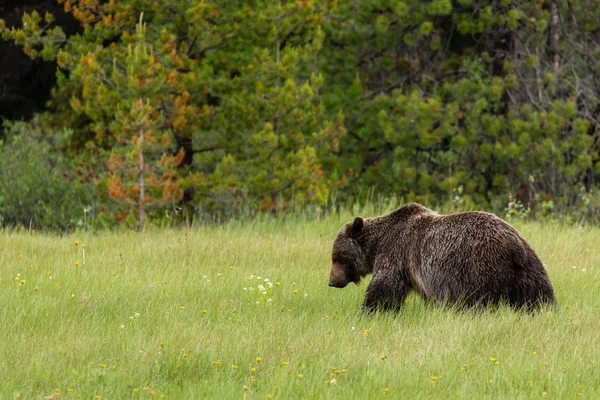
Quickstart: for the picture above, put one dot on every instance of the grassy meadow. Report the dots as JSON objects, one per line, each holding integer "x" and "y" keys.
{"x": 179, "y": 314}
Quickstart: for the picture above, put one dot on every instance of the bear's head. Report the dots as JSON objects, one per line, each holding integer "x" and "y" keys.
{"x": 348, "y": 257}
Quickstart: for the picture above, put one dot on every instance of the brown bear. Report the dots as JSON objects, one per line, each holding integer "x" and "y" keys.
{"x": 467, "y": 259}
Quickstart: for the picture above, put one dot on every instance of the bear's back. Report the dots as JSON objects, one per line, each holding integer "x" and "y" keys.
{"x": 467, "y": 255}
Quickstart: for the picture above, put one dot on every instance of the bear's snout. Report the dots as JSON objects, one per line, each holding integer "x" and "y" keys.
{"x": 338, "y": 277}
{"x": 337, "y": 284}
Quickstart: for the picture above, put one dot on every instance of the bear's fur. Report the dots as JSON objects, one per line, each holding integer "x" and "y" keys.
{"x": 468, "y": 259}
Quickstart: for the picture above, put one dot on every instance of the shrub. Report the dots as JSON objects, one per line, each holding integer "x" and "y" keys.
{"x": 39, "y": 185}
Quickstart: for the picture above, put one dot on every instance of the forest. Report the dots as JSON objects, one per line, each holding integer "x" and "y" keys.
{"x": 136, "y": 112}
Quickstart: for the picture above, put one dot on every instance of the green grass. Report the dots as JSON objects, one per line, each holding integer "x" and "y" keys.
{"x": 166, "y": 313}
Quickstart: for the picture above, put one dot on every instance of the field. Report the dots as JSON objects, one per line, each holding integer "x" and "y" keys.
{"x": 179, "y": 314}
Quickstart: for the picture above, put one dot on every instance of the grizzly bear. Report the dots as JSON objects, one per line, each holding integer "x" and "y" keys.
{"x": 465, "y": 259}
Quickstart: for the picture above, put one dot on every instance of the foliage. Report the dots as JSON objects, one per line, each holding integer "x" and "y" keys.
{"x": 143, "y": 160}
{"x": 495, "y": 96}
{"x": 40, "y": 187}
{"x": 235, "y": 86}
{"x": 277, "y": 105}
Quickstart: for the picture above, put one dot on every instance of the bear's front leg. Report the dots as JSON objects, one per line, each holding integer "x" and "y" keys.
{"x": 385, "y": 294}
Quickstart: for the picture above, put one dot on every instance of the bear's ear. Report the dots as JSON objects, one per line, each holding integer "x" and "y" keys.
{"x": 357, "y": 226}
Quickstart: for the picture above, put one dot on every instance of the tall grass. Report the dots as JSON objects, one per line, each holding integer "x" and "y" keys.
{"x": 178, "y": 313}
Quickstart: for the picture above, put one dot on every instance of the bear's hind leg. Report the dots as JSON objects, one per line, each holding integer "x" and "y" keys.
{"x": 532, "y": 292}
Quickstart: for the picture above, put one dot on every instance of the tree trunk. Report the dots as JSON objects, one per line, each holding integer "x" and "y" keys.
{"x": 554, "y": 38}
{"x": 141, "y": 166}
